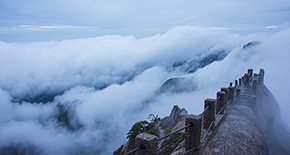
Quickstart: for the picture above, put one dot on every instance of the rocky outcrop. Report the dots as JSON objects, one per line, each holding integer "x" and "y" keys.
{"x": 251, "y": 44}
{"x": 275, "y": 129}
{"x": 129, "y": 145}
{"x": 119, "y": 150}
{"x": 171, "y": 121}
{"x": 177, "y": 115}
{"x": 179, "y": 125}
{"x": 177, "y": 85}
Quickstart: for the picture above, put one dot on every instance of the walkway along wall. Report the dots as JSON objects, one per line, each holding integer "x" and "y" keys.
{"x": 233, "y": 123}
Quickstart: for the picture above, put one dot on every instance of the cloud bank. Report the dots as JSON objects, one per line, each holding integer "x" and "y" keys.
{"x": 99, "y": 87}
{"x": 69, "y": 19}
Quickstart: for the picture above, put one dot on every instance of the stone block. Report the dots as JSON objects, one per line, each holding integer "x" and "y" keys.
{"x": 147, "y": 143}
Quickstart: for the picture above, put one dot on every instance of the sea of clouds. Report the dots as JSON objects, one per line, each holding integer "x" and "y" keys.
{"x": 101, "y": 86}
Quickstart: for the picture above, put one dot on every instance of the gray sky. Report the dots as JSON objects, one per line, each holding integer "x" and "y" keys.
{"x": 76, "y": 67}
{"x": 46, "y": 20}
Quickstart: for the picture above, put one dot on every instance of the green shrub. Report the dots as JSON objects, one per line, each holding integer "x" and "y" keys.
{"x": 181, "y": 137}
{"x": 121, "y": 153}
{"x": 168, "y": 130}
{"x": 180, "y": 147}
{"x": 170, "y": 143}
{"x": 152, "y": 131}
{"x": 137, "y": 128}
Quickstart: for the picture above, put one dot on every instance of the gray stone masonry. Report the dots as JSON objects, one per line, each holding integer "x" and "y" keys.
{"x": 240, "y": 81}
{"x": 209, "y": 114}
{"x": 192, "y": 134}
{"x": 238, "y": 95}
{"x": 247, "y": 80}
{"x": 250, "y": 72}
{"x": 220, "y": 101}
{"x": 254, "y": 101}
{"x": 262, "y": 74}
{"x": 237, "y": 135}
{"x": 243, "y": 79}
{"x": 147, "y": 143}
{"x": 270, "y": 123}
{"x": 231, "y": 94}
{"x": 254, "y": 88}
{"x": 224, "y": 89}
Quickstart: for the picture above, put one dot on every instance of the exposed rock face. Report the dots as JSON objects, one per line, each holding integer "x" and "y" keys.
{"x": 203, "y": 59}
{"x": 129, "y": 145}
{"x": 179, "y": 125}
{"x": 238, "y": 134}
{"x": 171, "y": 121}
{"x": 177, "y": 85}
{"x": 251, "y": 44}
{"x": 118, "y": 151}
{"x": 277, "y": 137}
{"x": 177, "y": 115}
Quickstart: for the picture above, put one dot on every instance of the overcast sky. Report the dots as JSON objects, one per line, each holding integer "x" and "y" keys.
{"x": 143, "y": 38}
{"x": 46, "y": 20}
